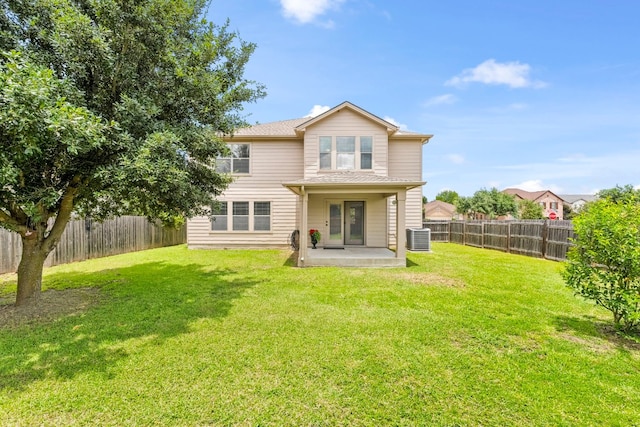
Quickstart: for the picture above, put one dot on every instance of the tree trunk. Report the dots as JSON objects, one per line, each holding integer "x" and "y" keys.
{"x": 37, "y": 243}
{"x": 30, "y": 271}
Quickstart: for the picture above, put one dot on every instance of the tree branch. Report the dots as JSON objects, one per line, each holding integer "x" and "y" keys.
{"x": 64, "y": 214}
{"x": 15, "y": 219}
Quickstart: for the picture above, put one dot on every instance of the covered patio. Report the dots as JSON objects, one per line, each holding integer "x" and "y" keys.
{"x": 374, "y": 250}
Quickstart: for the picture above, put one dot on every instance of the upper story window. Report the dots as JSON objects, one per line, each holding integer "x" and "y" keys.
{"x": 346, "y": 152}
{"x": 237, "y": 162}
{"x": 366, "y": 152}
{"x": 553, "y": 205}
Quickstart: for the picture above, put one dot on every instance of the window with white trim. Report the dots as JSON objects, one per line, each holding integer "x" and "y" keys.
{"x": 261, "y": 216}
{"x": 241, "y": 216}
{"x": 345, "y": 153}
{"x": 366, "y": 152}
{"x": 219, "y": 217}
{"x": 237, "y": 162}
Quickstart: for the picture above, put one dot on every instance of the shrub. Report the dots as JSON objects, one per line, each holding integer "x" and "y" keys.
{"x": 604, "y": 263}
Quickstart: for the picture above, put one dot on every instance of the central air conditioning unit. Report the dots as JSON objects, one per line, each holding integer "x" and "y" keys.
{"x": 419, "y": 239}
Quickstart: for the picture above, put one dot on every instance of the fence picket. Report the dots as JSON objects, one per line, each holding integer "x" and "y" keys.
{"x": 536, "y": 238}
{"x": 85, "y": 239}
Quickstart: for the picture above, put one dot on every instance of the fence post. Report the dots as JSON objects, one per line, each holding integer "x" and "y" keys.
{"x": 464, "y": 234}
{"x": 545, "y": 237}
{"x": 482, "y": 224}
{"x": 509, "y": 237}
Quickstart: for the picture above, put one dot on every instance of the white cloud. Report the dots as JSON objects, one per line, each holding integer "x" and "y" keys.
{"x": 317, "y": 109}
{"x": 531, "y": 185}
{"x": 512, "y": 74}
{"x": 395, "y": 122}
{"x": 537, "y": 185}
{"x": 456, "y": 159}
{"x": 441, "y": 100}
{"x": 306, "y": 11}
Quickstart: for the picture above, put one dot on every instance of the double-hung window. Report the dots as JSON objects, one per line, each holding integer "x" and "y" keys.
{"x": 345, "y": 153}
{"x": 240, "y": 216}
{"x": 261, "y": 216}
{"x": 237, "y": 162}
{"x": 325, "y": 152}
{"x": 219, "y": 217}
{"x": 366, "y": 152}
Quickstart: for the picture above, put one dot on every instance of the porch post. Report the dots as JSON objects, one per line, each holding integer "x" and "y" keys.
{"x": 304, "y": 235}
{"x": 401, "y": 220}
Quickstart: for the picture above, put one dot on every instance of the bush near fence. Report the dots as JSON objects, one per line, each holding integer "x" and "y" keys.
{"x": 537, "y": 238}
{"x": 84, "y": 239}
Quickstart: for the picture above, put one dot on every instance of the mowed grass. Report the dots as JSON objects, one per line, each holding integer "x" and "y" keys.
{"x": 462, "y": 336}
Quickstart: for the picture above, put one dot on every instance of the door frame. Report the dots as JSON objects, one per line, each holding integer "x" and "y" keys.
{"x": 347, "y": 226}
{"x": 342, "y": 241}
{"x": 328, "y": 241}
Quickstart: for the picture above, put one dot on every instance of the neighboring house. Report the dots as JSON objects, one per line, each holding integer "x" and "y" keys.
{"x": 577, "y": 201}
{"x": 347, "y": 173}
{"x": 438, "y": 209}
{"x": 550, "y": 202}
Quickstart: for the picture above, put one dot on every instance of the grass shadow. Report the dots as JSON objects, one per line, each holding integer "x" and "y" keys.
{"x": 292, "y": 260}
{"x": 154, "y": 301}
{"x": 592, "y": 327}
{"x": 411, "y": 263}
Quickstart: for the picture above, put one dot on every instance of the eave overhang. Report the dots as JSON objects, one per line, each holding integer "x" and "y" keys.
{"x": 343, "y": 183}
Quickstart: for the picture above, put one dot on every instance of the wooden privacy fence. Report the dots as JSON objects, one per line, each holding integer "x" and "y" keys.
{"x": 541, "y": 239}
{"x": 84, "y": 239}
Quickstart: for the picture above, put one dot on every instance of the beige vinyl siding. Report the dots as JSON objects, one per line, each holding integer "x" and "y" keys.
{"x": 272, "y": 163}
{"x": 345, "y": 123}
{"x": 405, "y": 161}
{"x": 413, "y": 213}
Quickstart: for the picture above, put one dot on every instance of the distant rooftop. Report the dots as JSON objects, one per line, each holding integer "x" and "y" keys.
{"x": 572, "y": 198}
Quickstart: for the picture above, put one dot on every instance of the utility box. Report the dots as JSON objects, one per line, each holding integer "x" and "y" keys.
{"x": 419, "y": 239}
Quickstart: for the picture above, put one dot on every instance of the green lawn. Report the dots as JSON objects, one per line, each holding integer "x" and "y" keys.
{"x": 463, "y": 336}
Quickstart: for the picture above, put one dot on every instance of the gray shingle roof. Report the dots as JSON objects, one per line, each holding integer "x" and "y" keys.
{"x": 572, "y": 198}
{"x": 287, "y": 128}
{"x": 280, "y": 128}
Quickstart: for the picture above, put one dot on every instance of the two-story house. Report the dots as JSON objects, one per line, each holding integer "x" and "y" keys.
{"x": 551, "y": 203}
{"x": 347, "y": 173}
{"x": 577, "y": 201}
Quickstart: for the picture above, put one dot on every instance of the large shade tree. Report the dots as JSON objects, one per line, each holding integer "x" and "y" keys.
{"x": 110, "y": 107}
{"x": 489, "y": 203}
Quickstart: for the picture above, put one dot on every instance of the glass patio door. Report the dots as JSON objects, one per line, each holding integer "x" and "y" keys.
{"x": 354, "y": 223}
{"x": 334, "y": 224}
{"x": 345, "y": 223}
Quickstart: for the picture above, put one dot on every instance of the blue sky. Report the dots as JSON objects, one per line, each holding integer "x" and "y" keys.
{"x": 538, "y": 94}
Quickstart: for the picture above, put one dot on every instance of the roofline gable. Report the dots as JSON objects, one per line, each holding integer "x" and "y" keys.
{"x": 294, "y": 129}
{"x": 391, "y": 128}
{"x": 530, "y": 195}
